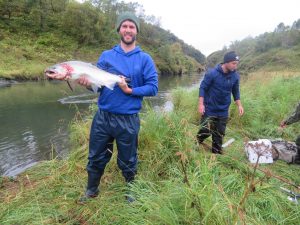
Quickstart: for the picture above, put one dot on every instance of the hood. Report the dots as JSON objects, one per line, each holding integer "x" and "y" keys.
{"x": 118, "y": 49}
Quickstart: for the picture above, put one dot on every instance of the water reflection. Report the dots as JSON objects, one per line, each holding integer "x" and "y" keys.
{"x": 34, "y": 126}
{"x": 86, "y": 98}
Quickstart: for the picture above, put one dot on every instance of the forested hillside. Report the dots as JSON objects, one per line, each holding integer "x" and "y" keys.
{"x": 271, "y": 51}
{"x": 37, "y": 33}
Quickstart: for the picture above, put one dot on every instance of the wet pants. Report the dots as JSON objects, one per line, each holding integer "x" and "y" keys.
{"x": 107, "y": 127}
{"x": 298, "y": 142}
{"x": 214, "y": 126}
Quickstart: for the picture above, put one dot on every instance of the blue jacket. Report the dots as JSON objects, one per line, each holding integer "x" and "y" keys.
{"x": 216, "y": 89}
{"x": 136, "y": 65}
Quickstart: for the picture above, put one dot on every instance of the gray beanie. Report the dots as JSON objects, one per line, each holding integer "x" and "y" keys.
{"x": 127, "y": 16}
{"x": 230, "y": 56}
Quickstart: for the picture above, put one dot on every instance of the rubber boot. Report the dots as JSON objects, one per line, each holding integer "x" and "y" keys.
{"x": 216, "y": 148}
{"x": 129, "y": 178}
{"x": 297, "y": 157}
{"x": 92, "y": 189}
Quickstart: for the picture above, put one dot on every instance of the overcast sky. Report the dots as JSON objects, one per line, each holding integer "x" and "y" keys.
{"x": 211, "y": 24}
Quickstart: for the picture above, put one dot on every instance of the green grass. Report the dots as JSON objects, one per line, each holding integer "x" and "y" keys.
{"x": 275, "y": 59}
{"x": 178, "y": 182}
{"x": 25, "y": 56}
{"x": 268, "y": 99}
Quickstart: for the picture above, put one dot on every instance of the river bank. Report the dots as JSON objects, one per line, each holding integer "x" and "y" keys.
{"x": 217, "y": 189}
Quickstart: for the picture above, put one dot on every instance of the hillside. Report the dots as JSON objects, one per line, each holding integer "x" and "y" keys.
{"x": 271, "y": 51}
{"x": 36, "y": 34}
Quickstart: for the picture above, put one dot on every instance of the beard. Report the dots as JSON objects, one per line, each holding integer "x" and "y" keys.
{"x": 230, "y": 68}
{"x": 128, "y": 42}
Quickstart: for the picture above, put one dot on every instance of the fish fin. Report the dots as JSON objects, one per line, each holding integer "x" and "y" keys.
{"x": 111, "y": 84}
{"x": 71, "y": 85}
{"x": 95, "y": 88}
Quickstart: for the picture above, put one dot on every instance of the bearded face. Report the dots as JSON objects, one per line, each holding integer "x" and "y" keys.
{"x": 128, "y": 32}
{"x": 231, "y": 66}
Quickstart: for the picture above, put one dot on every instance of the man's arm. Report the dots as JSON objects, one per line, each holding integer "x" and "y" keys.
{"x": 236, "y": 96}
{"x": 150, "y": 78}
{"x": 236, "y": 89}
{"x": 295, "y": 117}
{"x": 204, "y": 86}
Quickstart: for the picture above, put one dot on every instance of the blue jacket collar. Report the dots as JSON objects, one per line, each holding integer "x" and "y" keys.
{"x": 118, "y": 49}
{"x": 219, "y": 68}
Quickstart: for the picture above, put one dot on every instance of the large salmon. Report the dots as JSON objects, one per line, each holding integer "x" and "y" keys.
{"x": 75, "y": 69}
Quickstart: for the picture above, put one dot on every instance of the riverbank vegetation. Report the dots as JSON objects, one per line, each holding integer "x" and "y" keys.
{"x": 36, "y": 34}
{"x": 178, "y": 181}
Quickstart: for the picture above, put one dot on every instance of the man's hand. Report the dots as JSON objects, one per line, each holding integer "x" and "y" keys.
{"x": 201, "y": 109}
{"x": 123, "y": 85}
{"x": 282, "y": 124}
{"x": 240, "y": 107}
{"x": 241, "y": 110}
{"x": 84, "y": 81}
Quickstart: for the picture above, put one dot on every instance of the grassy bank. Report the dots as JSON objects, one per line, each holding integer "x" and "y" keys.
{"x": 272, "y": 60}
{"x": 24, "y": 56}
{"x": 178, "y": 181}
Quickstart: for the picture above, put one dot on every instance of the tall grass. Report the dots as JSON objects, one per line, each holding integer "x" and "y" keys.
{"x": 268, "y": 99}
{"x": 178, "y": 182}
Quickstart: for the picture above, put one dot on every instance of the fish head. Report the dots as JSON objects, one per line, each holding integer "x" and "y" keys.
{"x": 59, "y": 71}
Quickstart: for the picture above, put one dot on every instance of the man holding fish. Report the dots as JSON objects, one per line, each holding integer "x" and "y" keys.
{"x": 117, "y": 117}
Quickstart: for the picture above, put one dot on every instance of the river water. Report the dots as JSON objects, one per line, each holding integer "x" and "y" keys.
{"x": 34, "y": 118}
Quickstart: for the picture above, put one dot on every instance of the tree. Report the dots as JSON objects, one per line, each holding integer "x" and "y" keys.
{"x": 81, "y": 21}
{"x": 9, "y": 8}
{"x": 296, "y": 25}
{"x": 280, "y": 28}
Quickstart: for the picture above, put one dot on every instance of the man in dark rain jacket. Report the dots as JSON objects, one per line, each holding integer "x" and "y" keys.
{"x": 215, "y": 98}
